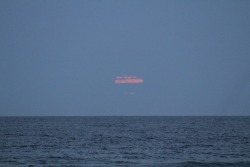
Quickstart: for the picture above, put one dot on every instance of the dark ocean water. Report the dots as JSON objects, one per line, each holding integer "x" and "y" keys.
{"x": 125, "y": 141}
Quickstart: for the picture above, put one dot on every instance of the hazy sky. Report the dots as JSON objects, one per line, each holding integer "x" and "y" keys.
{"x": 62, "y": 57}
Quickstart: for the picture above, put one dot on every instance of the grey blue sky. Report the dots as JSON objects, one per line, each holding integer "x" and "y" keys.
{"x": 61, "y": 57}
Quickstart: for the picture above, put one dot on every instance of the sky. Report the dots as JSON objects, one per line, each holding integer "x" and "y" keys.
{"x": 124, "y": 58}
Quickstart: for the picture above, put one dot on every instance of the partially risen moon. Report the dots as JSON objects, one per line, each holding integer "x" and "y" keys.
{"x": 128, "y": 80}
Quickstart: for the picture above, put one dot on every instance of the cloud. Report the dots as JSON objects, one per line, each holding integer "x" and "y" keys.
{"x": 128, "y": 80}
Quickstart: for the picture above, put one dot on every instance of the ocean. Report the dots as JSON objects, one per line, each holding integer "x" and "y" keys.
{"x": 125, "y": 141}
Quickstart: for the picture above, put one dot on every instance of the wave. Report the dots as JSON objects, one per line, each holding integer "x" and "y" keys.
{"x": 206, "y": 164}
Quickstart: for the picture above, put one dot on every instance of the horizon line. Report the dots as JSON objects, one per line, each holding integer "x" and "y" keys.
{"x": 124, "y": 115}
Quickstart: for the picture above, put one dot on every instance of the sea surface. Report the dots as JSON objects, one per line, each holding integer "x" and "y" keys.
{"x": 125, "y": 141}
